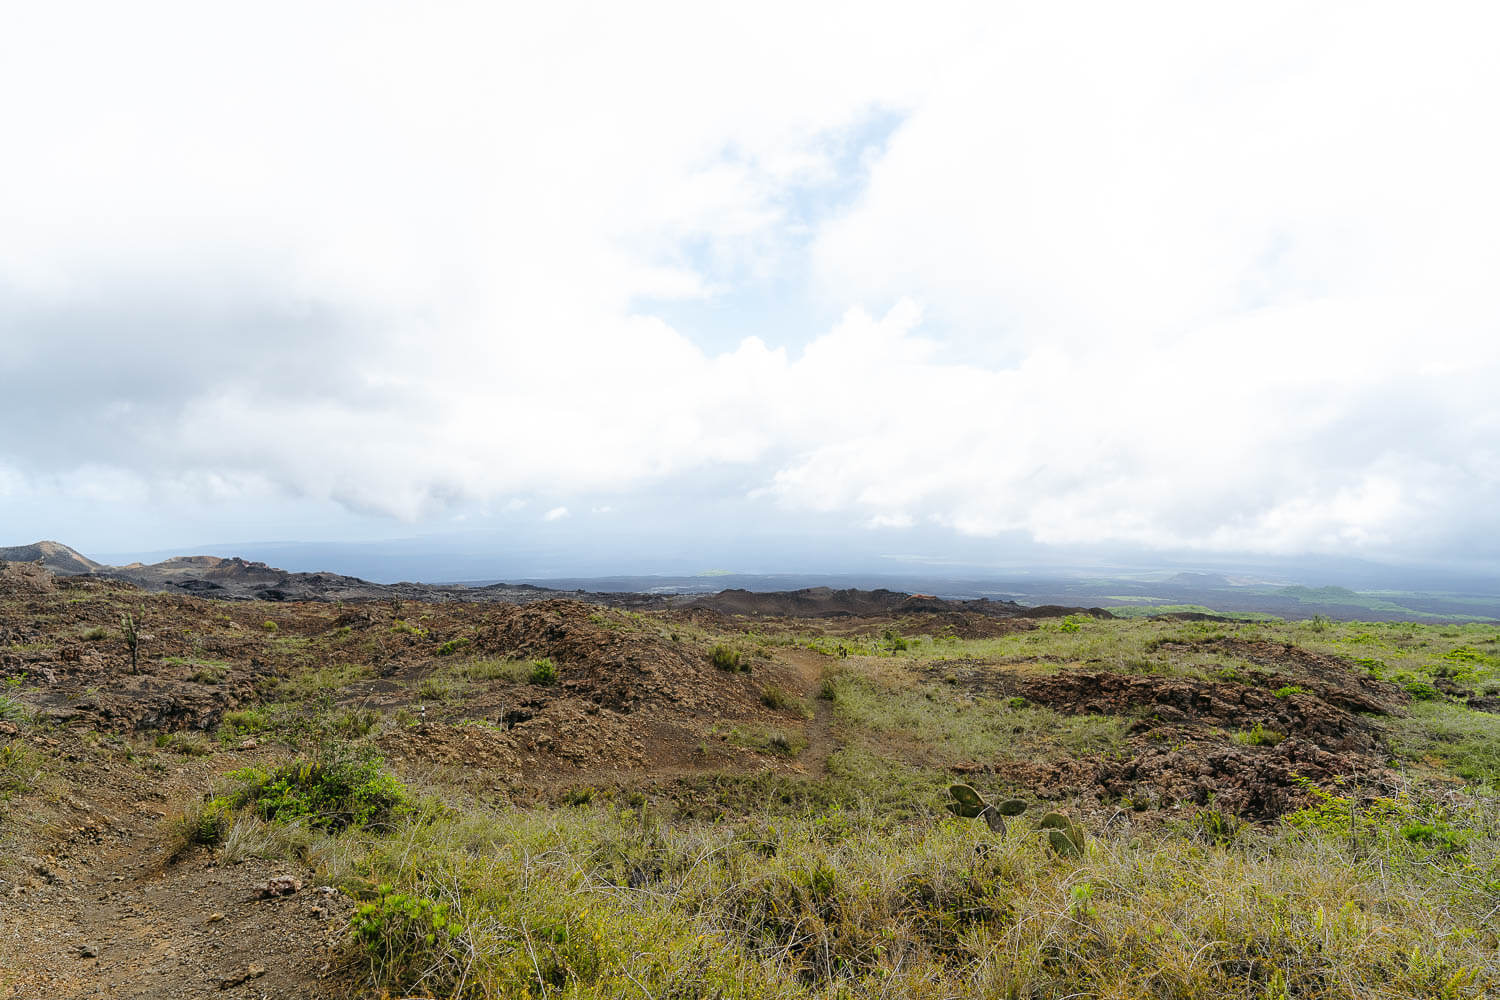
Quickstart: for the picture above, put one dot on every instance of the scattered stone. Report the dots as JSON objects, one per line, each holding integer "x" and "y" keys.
{"x": 214, "y": 918}
{"x": 281, "y": 885}
{"x": 86, "y": 950}
{"x": 238, "y": 976}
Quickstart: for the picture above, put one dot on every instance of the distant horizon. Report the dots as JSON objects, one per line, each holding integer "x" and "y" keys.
{"x": 451, "y": 561}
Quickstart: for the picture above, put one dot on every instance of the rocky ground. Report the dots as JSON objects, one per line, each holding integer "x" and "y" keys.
{"x": 104, "y": 750}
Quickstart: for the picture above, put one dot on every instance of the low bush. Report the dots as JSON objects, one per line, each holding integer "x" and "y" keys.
{"x": 727, "y": 658}
{"x": 410, "y": 940}
{"x": 543, "y": 672}
{"x": 1259, "y": 736}
{"x": 776, "y": 697}
{"x": 332, "y": 792}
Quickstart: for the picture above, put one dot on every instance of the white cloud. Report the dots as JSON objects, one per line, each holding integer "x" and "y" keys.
{"x": 555, "y": 514}
{"x": 1169, "y": 277}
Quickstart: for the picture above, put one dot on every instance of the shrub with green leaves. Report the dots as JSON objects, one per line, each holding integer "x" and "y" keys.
{"x": 727, "y": 658}
{"x": 543, "y": 672}
{"x": 1259, "y": 735}
{"x": 333, "y": 792}
{"x": 1421, "y": 690}
{"x": 778, "y": 698}
{"x": 12, "y": 710}
{"x": 453, "y": 645}
{"x": 895, "y": 642}
{"x": 408, "y": 939}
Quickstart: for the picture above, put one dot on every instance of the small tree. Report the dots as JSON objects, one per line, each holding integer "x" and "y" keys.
{"x": 131, "y": 630}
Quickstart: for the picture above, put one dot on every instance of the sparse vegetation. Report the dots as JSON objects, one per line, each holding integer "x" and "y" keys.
{"x": 500, "y": 840}
{"x": 543, "y": 672}
{"x": 728, "y": 658}
{"x": 130, "y": 631}
{"x": 1259, "y": 735}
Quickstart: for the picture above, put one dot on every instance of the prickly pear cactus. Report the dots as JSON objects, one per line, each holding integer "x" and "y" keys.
{"x": 1066, "y": 836}
{"x": 966, "y": 802}
{"x": 970, "y": 805}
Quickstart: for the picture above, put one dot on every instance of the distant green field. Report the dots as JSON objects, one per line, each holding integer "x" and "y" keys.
{"x": 1150, "y": 610}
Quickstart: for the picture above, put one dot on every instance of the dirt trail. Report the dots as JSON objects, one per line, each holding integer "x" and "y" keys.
{"x": 822, "y": 740}
{"x": 102, "y": 911}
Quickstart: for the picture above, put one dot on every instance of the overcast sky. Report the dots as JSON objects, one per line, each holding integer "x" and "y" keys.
{"x": 1196, "y": 278}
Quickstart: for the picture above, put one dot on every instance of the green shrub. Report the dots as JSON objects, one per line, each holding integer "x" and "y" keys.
{"x": 95, "y": 634}
{"x": 20, "y": 767}
{"x": 270, "y": 626}
{"x": 1216, "y": 827}
{"x": 206, "y": 823}
{"x": 246, "y": 720}
{"x": 453, "y": 645}
{"x": 189, "y": 744}
{"x": 407, "y": 628}
{"x": 1259, "y": 736}
{"x": 437, "y": 688}
{"x": 331, "y": 793}
{"x": 12, "y": 710}
{"x": 727, "y": 658}
{"x": 895, "y": 641}
{"x": 1289, "y": 690}
{"x": 1421, "y": 690}
{"x": 543, "y": 672}
{"x": 779, "y": 699}
{"x": 1436, "y": 834}
{"x": 408, "y": 940}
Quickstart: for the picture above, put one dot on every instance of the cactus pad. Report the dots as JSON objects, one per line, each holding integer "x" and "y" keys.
{"x": 1066, "y": 836}
{"x": 966, "y": 802}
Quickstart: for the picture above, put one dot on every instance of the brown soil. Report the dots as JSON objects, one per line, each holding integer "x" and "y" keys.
{"x": 92, "y": 903}
{"x": 1182, "y": 748}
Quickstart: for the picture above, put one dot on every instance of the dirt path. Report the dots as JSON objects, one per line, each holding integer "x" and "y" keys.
{"x": 101, "y": 911}
{"x": 822, "y": 738}
{"x": 821, "y": 741}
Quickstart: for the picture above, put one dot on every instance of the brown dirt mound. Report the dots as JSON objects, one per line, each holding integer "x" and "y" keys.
{"x": 608, "y": 659}
{"x": 1181, "y": 751}
{"x": 1187, "y": 702}
{"x": 1335, "y": 679}
{"x": 25, "y": 578}
{"x": 1258, "y": 783}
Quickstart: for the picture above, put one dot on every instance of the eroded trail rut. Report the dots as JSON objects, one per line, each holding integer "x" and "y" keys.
{"x": 105, "y": 912}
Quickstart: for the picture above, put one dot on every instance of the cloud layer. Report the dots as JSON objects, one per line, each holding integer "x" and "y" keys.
{"x": 1161, "y": 278}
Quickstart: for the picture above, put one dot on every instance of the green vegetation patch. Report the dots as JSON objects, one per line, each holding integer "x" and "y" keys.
{"x": 333, "y": 791}
{"x": 951, "y": 725}
{"x": 322, "y": 680}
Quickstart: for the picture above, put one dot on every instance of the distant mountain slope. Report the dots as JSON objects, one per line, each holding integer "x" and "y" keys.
{"x": 54, "y": 555}
{"x": 825, "y": 602}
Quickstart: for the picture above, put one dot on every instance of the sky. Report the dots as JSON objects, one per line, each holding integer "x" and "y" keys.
{"x": 1179, "y": 279}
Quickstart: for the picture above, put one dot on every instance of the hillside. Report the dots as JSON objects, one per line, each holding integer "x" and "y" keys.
{"x": 56, "y": 556}
{"x": 316, "y": 800}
